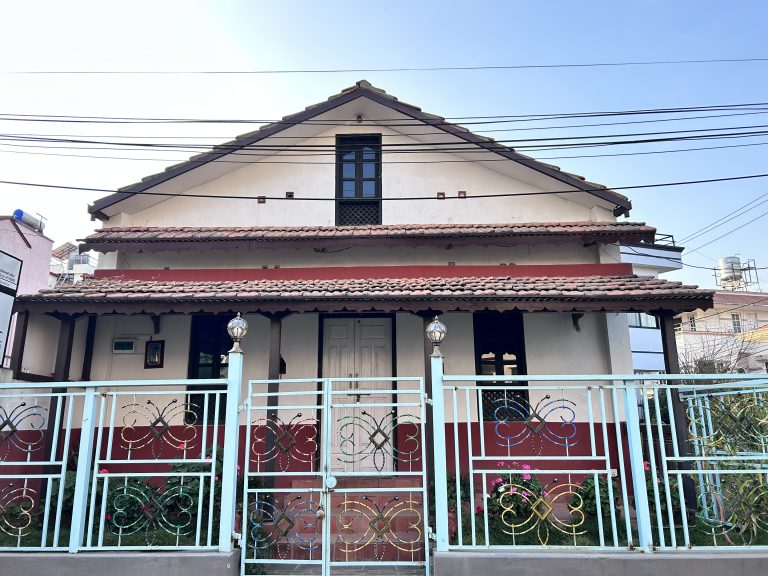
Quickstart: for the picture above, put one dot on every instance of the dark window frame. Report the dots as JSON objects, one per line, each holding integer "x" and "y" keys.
{"x": 500, "y": 333}
{"x": 356, "y": 143}
{"x": 214, "y": 326}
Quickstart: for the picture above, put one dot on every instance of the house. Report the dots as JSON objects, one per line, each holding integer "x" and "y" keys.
{"x": 728, "y": 338}
{"x": 339, "y": 233}
{"x": 25, "y": 244}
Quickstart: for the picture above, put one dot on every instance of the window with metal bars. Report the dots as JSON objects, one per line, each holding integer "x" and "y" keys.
{"x": 358, "y": 179}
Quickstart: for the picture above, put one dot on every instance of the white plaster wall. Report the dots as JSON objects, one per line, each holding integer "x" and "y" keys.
{"x": 255, "y": 256}
{"x": 315, "y": 178}
{"x": 40, "y": 345}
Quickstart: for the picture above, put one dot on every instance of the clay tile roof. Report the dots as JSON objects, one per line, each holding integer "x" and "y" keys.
{"x": 523, "y": 293}
{"x": 108, "y": 239}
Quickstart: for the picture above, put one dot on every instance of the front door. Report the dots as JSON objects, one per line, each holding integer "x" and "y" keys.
{"x": 359, "y": 350}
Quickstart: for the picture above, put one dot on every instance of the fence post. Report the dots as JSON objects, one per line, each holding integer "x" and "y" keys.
{"x": 438, "y": 434}
{"x": 83, "y": 474}
{"x": 634, "y": 438}
{"x": 231, "y": 441}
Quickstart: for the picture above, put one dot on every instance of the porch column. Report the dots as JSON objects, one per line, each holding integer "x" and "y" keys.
{"x": 90, "y": 337}
{"x": 427, "y": 318}
{"x": 19, "y": 339}
{"x": 273, "y": 374}
{"x": 60, "y": 374}
{"x": 672, "y": 366}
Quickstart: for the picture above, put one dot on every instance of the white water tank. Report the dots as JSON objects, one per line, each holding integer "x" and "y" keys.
{"x": 29, "y": 220}
{"x": 730, "y": 269}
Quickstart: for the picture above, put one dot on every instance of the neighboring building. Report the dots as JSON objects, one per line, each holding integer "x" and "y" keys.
{"x": 731, "y": 337}
{"x": 68, "y": 266}
{"x": 34, "y": 250}
{"x": 644, "y": 330}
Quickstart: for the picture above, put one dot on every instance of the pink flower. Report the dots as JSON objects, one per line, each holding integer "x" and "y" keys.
{"x": 526, "y": 466}
{"x": 501, "y": 464}
{"x": 526, "y": 476}
{"x": 525, "y": 493}
{"x": 103, "y": 471}
{"x": 646, "y": 465}
{"x": 544, "y": 492}
{"x": 515, "y": 464}
{"x": 498, "y": 480}
{"x": 577, "y": 484}
{"x": 107, "y": 516}
{"x": 513, "y": 489}
{"x": 183, "y": 446}
{"x": 216, "y": 478}
{"x": 479, "y": 509}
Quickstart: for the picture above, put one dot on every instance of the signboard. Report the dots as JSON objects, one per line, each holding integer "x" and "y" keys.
{"x": 10, "y": 272}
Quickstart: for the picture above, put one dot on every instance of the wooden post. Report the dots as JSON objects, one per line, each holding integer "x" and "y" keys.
{"x": 273, "y": 374}
{"x": 672, "y": 366}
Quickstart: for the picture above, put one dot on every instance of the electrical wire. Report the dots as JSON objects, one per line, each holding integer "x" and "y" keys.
{"x": 396, "y": 69}
{"x": 725, "y": 219}
{"x": 525, "y": 129}
{"x": 432, "y": 121}
{"x": 226, "y": 161}
{"x": 392, "y": 199}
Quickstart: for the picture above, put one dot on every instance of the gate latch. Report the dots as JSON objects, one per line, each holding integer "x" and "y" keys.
{"x": 320, "y": 514}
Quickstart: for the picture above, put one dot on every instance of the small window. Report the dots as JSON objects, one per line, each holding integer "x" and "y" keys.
{"x": 209, "y": 358}
{"x": 358, "y": 180}
{"x": 692, "y": 323}
{"x": 500, "y": 350}
{"x": 642, "y": 320}
{"x": 736, "y": 322}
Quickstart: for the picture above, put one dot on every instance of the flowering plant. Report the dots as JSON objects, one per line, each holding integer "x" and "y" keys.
{"x": 514, "y": 490}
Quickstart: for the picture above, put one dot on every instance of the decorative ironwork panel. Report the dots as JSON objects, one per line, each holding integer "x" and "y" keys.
{"x": 286, "y": 446}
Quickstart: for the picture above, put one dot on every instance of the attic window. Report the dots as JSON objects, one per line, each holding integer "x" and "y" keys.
{"x": 358, "y": 180}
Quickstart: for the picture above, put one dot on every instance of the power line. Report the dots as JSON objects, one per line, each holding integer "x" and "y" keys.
{"x": 225, "y": 161}
{"x": 495, "y": 130}
{"x": 727, "y": 218}
{"x": 396, "y": 148}
{"x": 315, "y": 199}
{"x": 729, "y": 232}
{"x": 397, "y": 69}
{"x": 436, "y": 121}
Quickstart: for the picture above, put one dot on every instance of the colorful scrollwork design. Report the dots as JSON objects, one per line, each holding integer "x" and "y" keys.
{"x": 21, "y": 429}
{"x": 523, "y": 511}
{"x": 731, "y": 424}
{"x": 140, "y": 507}
{"x": 735, "y": 506}
{"x": 147, "y": 424}
{"x": 550, "y": 420}
{"x": 364, "y": 437}
{"x": 291, "y": 443}
{"x": 364, "y": 522}
{"x": 17, "y": 509}
{"x": 277, "y": 527}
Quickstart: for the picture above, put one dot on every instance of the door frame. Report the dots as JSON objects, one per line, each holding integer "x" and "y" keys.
{"x": 393, "y": 347}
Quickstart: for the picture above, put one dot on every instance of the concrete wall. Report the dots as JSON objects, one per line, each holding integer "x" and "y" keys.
{"x": 256, "y": 256}
{"x": 314, "y": 177}
{"x": 121, "y": 563}
{"x": 588, "y": 563}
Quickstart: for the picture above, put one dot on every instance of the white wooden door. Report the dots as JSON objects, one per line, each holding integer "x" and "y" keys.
{"x": 360, "y": 348}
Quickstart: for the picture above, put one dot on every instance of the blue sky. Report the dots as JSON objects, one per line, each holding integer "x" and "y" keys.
{"x": 232, "y": 35}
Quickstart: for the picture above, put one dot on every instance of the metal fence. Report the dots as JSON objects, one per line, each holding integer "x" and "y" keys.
{"x": 603, "y": 462}
{"x": 600, "y": 461}
{"x": 114, "y": 465}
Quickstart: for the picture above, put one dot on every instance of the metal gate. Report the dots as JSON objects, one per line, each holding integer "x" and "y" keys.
{"x": 334, "y": 477}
